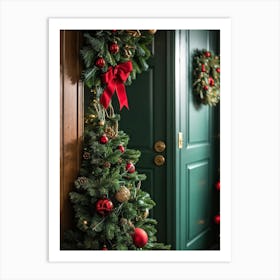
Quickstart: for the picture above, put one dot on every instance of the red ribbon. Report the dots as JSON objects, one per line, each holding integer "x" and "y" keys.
{"x": 115, "y": 78}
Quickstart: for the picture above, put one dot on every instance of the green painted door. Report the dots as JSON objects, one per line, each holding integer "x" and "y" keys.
{"x": 146, "y": 123}
{"x": 197, "y": 162}
{"x": 161, "y": 106}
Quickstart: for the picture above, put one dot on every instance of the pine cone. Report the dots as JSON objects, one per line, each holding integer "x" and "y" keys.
{"x": 107, "y": 164}
{"x": 86, "y": 155}
{"x": 82, "y": 180}
{"x": 123, "y": 221}
{"x": 110, "y": 132}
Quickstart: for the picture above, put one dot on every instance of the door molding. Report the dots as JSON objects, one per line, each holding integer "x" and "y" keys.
{"x": 171, "y": 140}
{"x": 71, "y": 121}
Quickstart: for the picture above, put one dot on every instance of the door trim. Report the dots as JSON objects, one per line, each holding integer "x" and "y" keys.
{"x": 171, "y": 140}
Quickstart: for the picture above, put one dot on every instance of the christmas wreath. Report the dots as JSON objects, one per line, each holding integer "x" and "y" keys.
{"x": 112, "y": 59}
{"x": 206, "y": 77}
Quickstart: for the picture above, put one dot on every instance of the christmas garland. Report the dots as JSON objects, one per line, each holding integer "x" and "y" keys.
{"x": 111, "y": 209}
{"x": 206, "y": 77}
{"x": 112, "y": 59}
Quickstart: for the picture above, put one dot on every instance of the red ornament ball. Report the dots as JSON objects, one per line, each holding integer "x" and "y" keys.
{"x": 121, "y": 148}
{"x": 218, "y": 70}
{"x": 203, "y": 68}
{"x": 104, "y": 248}
{"x": 211, "y": 81}
{"x": 140, "y": 237}
{"x": 217, "y": 219}
{"x": 100, "y": 62}
{"x": 104, "y": 206}
{"x": 207, "y": 54}
{"x": 205, "y": 87}
{"x": 103, "y": 139}
{"x": 130, "y": 168}
{"x": 218, "y": 185}
{"x": 114, "y": 48}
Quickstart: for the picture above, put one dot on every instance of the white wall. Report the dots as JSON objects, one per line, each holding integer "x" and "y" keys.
{"x": 24, "y": 134}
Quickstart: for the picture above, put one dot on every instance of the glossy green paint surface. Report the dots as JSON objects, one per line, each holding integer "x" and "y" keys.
{"x": 146, "y": 122}
{"x": 195, "y": 162}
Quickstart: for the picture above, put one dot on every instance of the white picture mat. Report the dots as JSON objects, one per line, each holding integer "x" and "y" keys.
{"x": 55, "y": 254}
{"x": 255, "y": 135}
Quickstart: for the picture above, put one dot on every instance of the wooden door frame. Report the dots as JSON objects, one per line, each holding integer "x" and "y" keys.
{"x": 71, "y": 121}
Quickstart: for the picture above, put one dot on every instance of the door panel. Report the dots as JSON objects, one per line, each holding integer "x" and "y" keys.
{"x": 140, "y": 95}
{"x": 198, "y": 198}
{"x": 194, "y": 164}
{"x": 197, "y": 116}
{"x": 145, "y": 123}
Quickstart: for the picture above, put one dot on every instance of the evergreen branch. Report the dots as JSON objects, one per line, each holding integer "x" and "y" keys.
{"x": 97, "y": 44}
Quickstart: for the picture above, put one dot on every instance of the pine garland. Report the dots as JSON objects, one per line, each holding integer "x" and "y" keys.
{"x": 206, "y": 77}
{"x": 114, "y": 47}
{"x": 104, "y": 178}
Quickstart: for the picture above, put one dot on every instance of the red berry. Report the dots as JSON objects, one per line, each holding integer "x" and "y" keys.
{"x": 203, "y": 68}
{"x": 104, "y": 248}
{"x": 205, "y": 87}
{"x": 218, "y": 185}
{"x": 100, "y": 62}
{"x": 207, "y": 54}
{"x": 121, "y": 148}
{"x": 217, "y": 219}
{"x": 130, "y": 168}
{"x": 211, "y": 81}
{"x": 218, "y": 70}
{"x": 114, "y": 48}
{"x": 103, "y": 139}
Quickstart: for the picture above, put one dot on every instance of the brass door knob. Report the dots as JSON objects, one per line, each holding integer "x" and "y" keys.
{"x": 159, "y": 160}
{"x": 159, "y": 146}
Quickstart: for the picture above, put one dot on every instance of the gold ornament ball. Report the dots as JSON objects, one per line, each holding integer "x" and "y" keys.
{"x": 101, "y": 123}
{"x": 152, "y": 31}
{"x": 123, "y": 194}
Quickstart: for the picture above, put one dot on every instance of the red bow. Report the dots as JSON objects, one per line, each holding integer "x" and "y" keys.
{"x": 115, "y": 78}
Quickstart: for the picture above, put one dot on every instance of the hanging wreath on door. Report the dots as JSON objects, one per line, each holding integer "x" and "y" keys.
{"x": 206, "y": 77}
